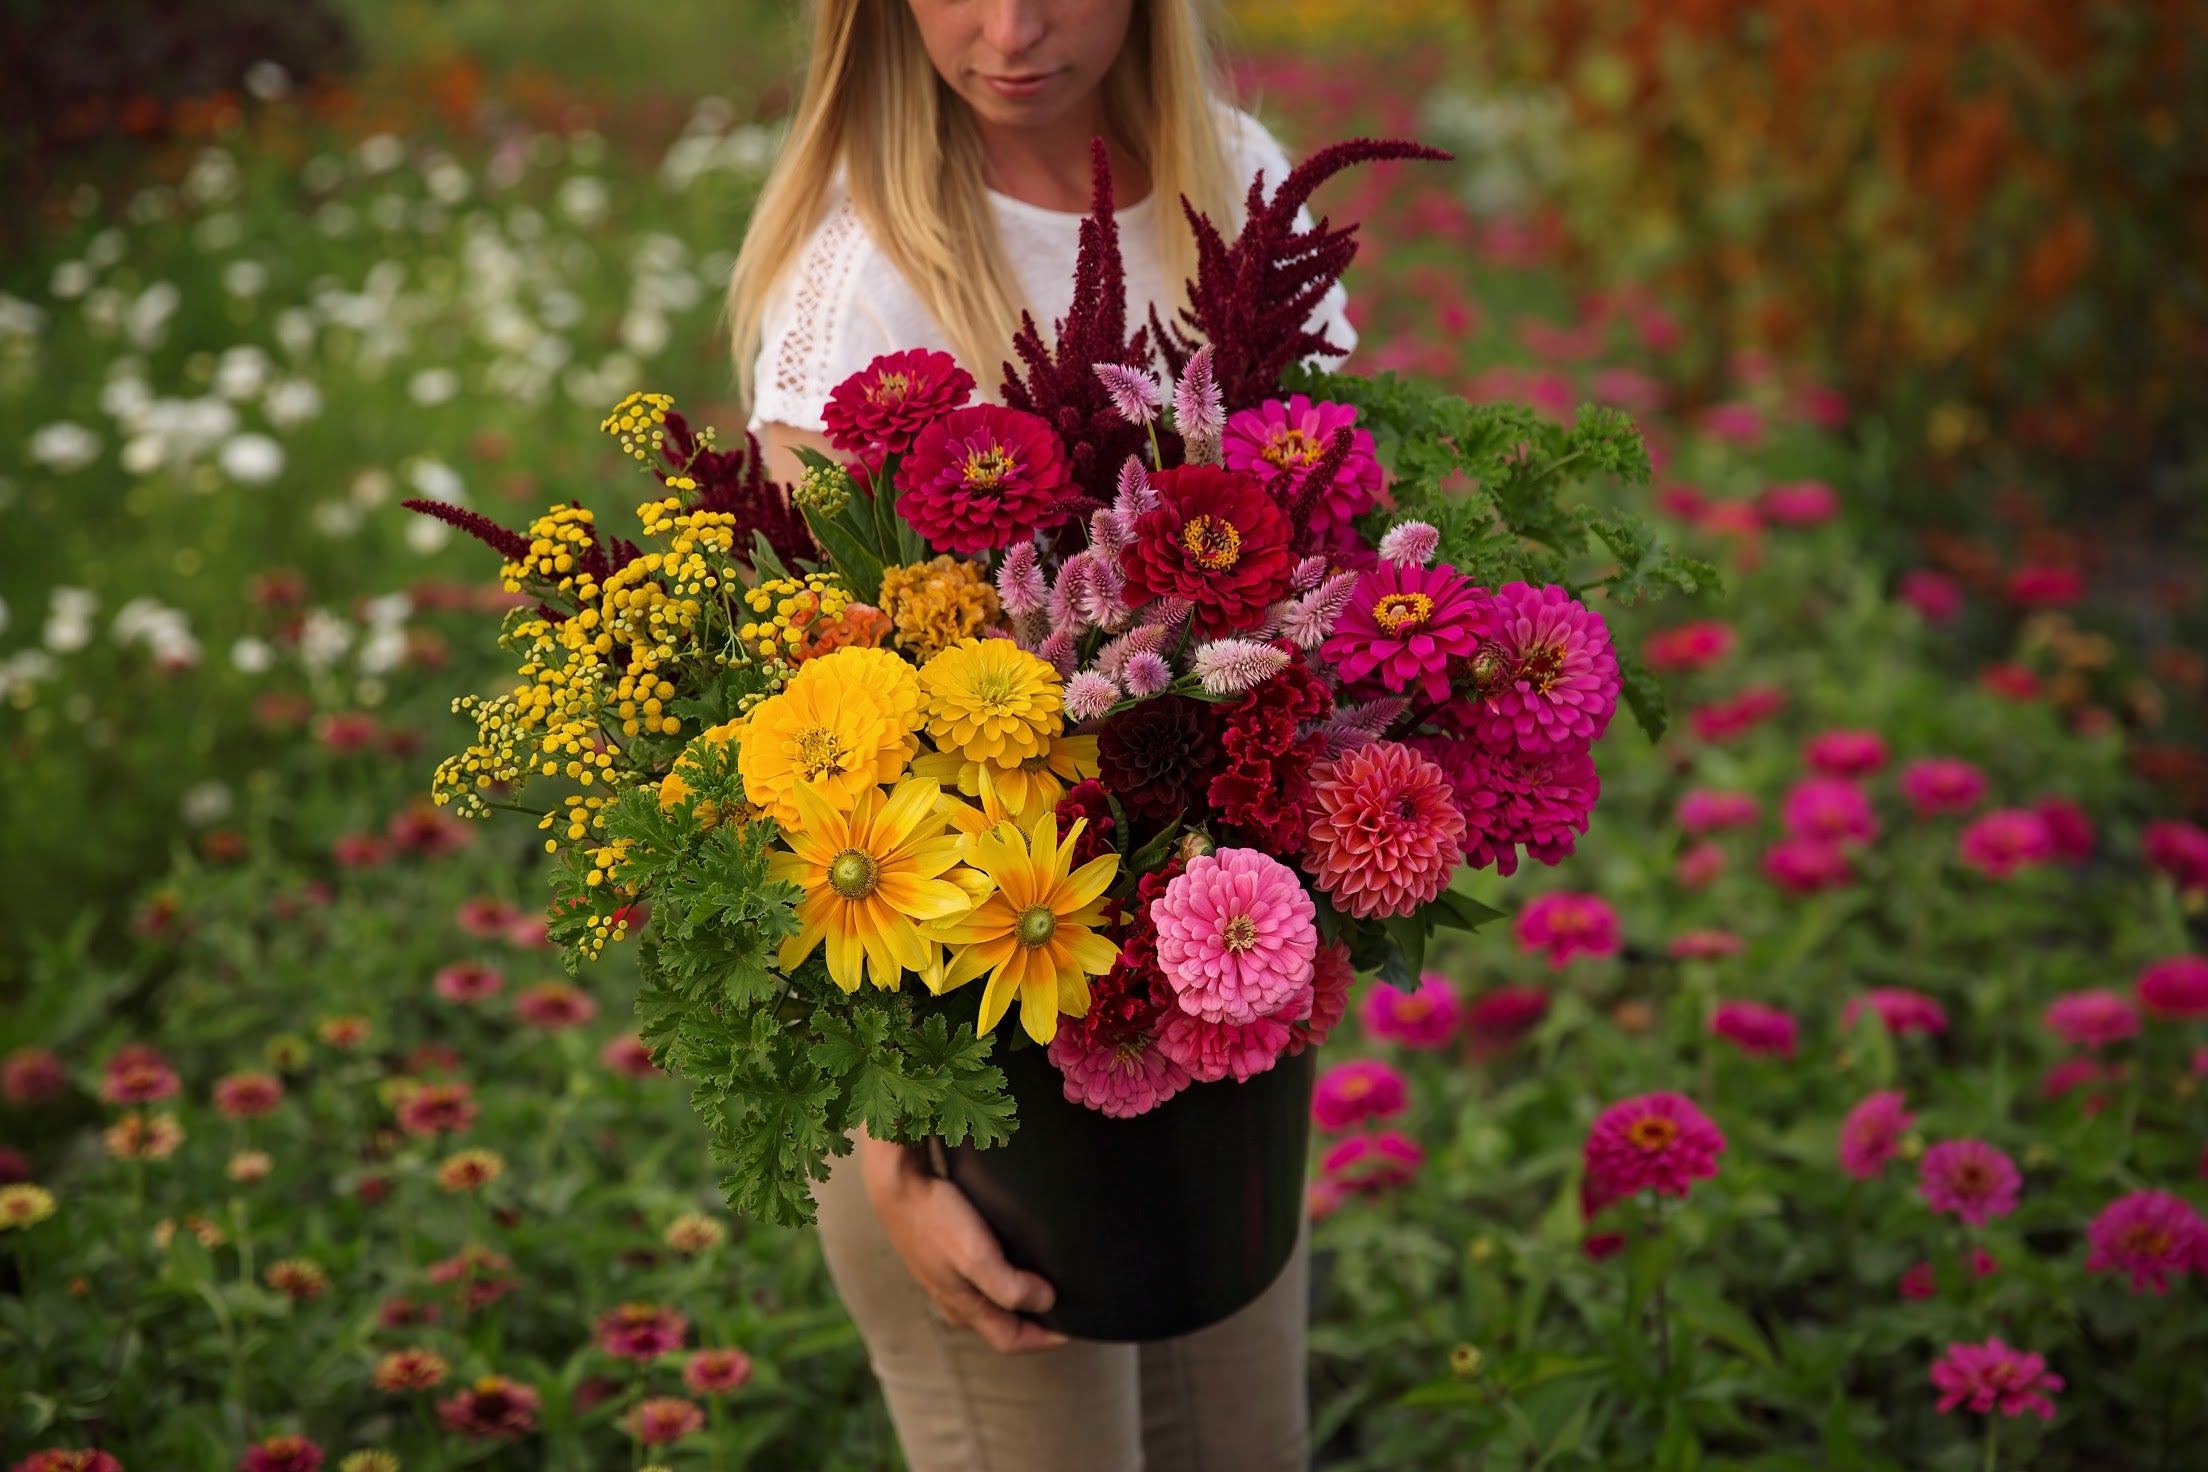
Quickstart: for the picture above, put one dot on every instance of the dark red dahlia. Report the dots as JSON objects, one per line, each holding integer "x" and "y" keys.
{"x": 983, "y": 477}
{"x": 1216, "y": 539}
{"x": 1160, "y": 756}
{"x": 1263, "y": 794}
{"x": 884, "y": 405}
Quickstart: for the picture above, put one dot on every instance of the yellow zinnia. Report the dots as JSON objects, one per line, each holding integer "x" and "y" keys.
{"x": 832, "y": 736}
{"x": 1036, "y": 935}
{"x": 1028, "y": 789}
{"x": 867, "y": 876}
{"x": 893, "y": 681}
{"x": 991, "y": 701}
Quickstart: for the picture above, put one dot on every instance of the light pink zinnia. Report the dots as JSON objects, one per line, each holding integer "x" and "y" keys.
{"x": 1870, "y": 1136}
{"x": 2093, "y": 1018}
{"x": 1708, "y": 810}
{"x": 1210, "y": 1051}
{"x": 717, "y": 1371}
{"x": 1372, "y": 1162}
{"x": 1969, "y": 1179}
{"x": 1942, "y": 785}
{"x": 2151, "y": 1235}
{"x": 1698, "y": 866}
{"x": 1388, "y": 835}
{"x": 1900, "y": 1010}
{"x": 1845, "y": 753}
{"x": 661, "y": 1419}
{"x": 641, "y": 1331}
{"x": 1425, "y": 1018}
{"x": 1991, "y": 1376}
{"x": 1704, "y": 945}
{"x": 1807, "y": 865}
{"x": 1405, "y": 624}
{"x": 469, "y": 981}
{"x": 1656, "y": 1142}
{"x": 1829, "y": 810}
{"x": 1351, "y": 1093}
{"x": 2006, "y": 840}
{"x": 1757, "y": 1030}
{"x": 2175, "y": 987}
{"x": 1548, "y": 680}
{"x": 1236, "y": 935}
{"x": 555, "y": 1005}
{"x": 1562, "y": 926}
{"x": 1117, "y": 1080}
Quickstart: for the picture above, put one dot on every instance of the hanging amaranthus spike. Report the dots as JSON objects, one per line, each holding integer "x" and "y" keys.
{"x": 511, "y": 545}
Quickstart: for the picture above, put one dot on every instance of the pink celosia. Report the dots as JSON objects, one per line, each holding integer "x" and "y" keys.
{"x": 1689, "y": 646}
{"x": 1940, "y": 785}
{"x": 1656, "y": 1142}
{"x": 1991, "y": 1376}
{"x": 1278, "y": 442}
{"x": 1425, "y": 1018}
{"x": 1198, "y": 411}
{"x": 1236, "y": 935}
{"x": 1411, "y": 543}
{"x": 1899, "y": 1010}
{"x": 2180, "y": 850}
{"x": 1969, "y": 1179}
{"x": 2093, "y": 1018}
{"x": 1372, "y": 1162}
{"x": 1350, "y": 1093}
{"x": 2152, "y": 1235}
{"x": 1136, "y": 395}
{"x": 1387, "y": 834}
{"x": 1234, "y": 666}
{"x": 1406, "y": 624}
{"x": 1709, "y": 810}
{"x": 1830, "y": 810}
{"x": 1845, "y": 753}
{"x": 1757, "y": 1030}
{"x": 1117, "y": 1079}
{"x": 2004, "y": 841}
{"x": 2175, "y": 987}
{"x": 1871, "y": 1134}
{"x": 1089, "y": 695}
{"x": 1547, "y": 680}
{"x": 1704, "y": 945}
{"x": 1562, "y": 926}
{"x": 1807, "y": 865}
{"x": 1211, "y": 1051}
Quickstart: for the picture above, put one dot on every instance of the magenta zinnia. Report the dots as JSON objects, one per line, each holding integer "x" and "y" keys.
{"x": 1279, "y": 443}
{"x": 2006, "y": 840}
{"x": 1386, "y": 838}
{"x": 1829, "y": 810}
{"x": 661, "y": 1419}
{"x": 1900, "y": 1010}
{"x": 1937, "y": 785}
{"x": 889, "y": 401}
{"x": 2152, "y": 1235}
{"x": 1117, "y": 1078}
{"x": 281, "y": 1454}
{"x": 1211, "y": 1051}
{"x": 1236, "y": 935}
{"x": 1656, "y": 1142}
{"x": 1405, "y": 624}
{"x": 1845, "y": 753}
{"x": 1425, "y": 1018}
{"x": 2175, "y": 987}
{"x": 1351, "y": 1093}
{"x": 1992, "y": 1377}
{"x": 983, "y": 477}
{"x": 2093, "y": 1018}
{"x": 1871, "y": 1134}
{"x": 1562, "y": 926}
{"x": 1216, "y": 539}
{"x": 1372, "y": 1162}
{"x": 1548, "y": 678}
{"x": 641, "y": 1331}
{"x": 1969, "y": 1179}
{"x": 1757, "y": 1030}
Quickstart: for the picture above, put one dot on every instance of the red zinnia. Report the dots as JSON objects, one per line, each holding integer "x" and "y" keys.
{"x": 1656, "y": 1142}
{"x": 1900, "y": 1010}
{"x": 1690, "y": 646}
{"x": 32, "y": 1076}
{"x": 1216, "y": 539}
{"x": 641, "y": 1331}
{"x": 983, "y": 477}
{"x": 717, "y": 1371}
{"x": 281, "y": 1454}
{"x": 1992, "y": 1377}
{"x": 493, "y": 1408}
{"x": 435, "y": 1107}
{"x": 884, "y": 405}
{"x": 248, "y": 1095}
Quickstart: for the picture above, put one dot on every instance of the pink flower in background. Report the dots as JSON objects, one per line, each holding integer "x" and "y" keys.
{"x": 1564, "y": 925}
{"x": 1845, "y": 753}
{"x": 1969, "y": 1179}
{"x": 248, "y": 1095}
{"x": 660, "y": 1419}
{"x": 1548, "y": 679}
{"x": 2093, "y": 1018}
{"x": 2005, "y": 841}
{"x": 1276, "y": 442}
{"x": 1628, "y": 389}
{"x": 1757, "y": 1030}
{"x": 1372, "y": 1162}
{"x": 1735, "y": 422}
{"x": 1387, "y": 833}
{"x": 1728, "y": 720}
{"x": 281, "y": 1454}
{"x": 1941, "y": 785}
{"x": 1426, "y": 1018}
{"x": 1900, "y": 1011}
{"x": 2069, "y": 829}
{"x": 2152, "y": 1235}
{"x": 626, "y": 1053}
{"x": 717, "y": 1371}
{"x": 1210, "y": 1051}
{"x": 1681, "y": 500}
{"x": 1698, "y": 865}
{"x": 1705, "y": 945}
{"x": 485, "y": 918}
{"x": 1991, "y": 1376}
{"x": 469, "y": 981}
{"x": 1348, "y": 1094}
{"x": 640, "y": 1331}
{"x": 1822, "y": 405}
{"x": 1870, "y": 1136}
{"x": 1655, "y": 1142}
{"x": 1807, "y": 865}
{"x": 1830, "y": 809}
{"x": 1710, "y": 810}
{"x": 2074, "y": 1073}
{"x": 2015, "y": 681}
{"x": 555, "y": 1005}
{"x": 1497, "y": 1019}
{"x": 2175, "y": 987}
{"x": 138, "y": 1074}
{"x": 32, "y": 1075}
{"x": 1236, "y": 935}
{"x": 1118, "y": 1080}
{"x": 1800, "y": 503}
{"x": 1935, "y": 596}
{"x": 2045, "y": 585}
{"x": 1919, "y": 1284}
{"x": 1690, "y": 646}
{"x": 2180, "y": 850}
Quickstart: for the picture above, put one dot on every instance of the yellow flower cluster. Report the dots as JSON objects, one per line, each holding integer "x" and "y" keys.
{"x": 935, "y": 604}
{"x": 639, "y": 423}
{"x": 786, "y": 607}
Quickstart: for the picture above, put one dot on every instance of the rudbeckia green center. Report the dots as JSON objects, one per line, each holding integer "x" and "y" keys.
{"x": 854, "y": 874}
{"x": 1037, "y": 925}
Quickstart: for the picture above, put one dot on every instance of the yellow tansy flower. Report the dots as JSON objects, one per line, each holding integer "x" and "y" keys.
{"x": 1036, "y": 936}
{"x": 834, "y": 737}
{"x": 892, "y": 680}
{"x": 991, "y": 701}
{"x": 937, "y": 603}
{"x": 868, "y": 875}
{"x": 1027, "y": 790}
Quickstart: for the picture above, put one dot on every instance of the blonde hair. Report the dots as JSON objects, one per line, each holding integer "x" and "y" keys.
{"x": 873, "y": 103}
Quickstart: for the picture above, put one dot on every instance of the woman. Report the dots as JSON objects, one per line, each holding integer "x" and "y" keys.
{"x": 931, "y": 187}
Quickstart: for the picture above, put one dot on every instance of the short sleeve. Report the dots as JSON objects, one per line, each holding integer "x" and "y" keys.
{"x": 810, "y": 330}
{"x": 1259, "y": 152}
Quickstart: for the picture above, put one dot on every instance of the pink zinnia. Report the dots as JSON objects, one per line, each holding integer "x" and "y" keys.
{"x": 1117, "y": 1079}
{"x": 1704, "y": 945}
{"x": 1425, "y": 1018}
{"x": 1332, "y": 976}
{"x": 2180, "y": 850}
{"x": 138, "y": 1074}
{"x": 1831, "y": 810}
{"x": 626, "y": 1053}
{"x": 1236, "y": 935}
{"x": 1405, "y": 624}
{"x": 1919, "y": 1284}
{"x": 1656, "y": 1142}
{"x": 1728, "y": 720}
{"x": 2151, "y": 1235}
{"x": 717, "y": 1371}
{"x": 281, "y": 1454}
{"x": 1991, "y": 1376}
{"x": 1497, "y": 1019}
{"x": 1548, "y": 680}
{"x": 2069, "y": 828}
{"x": 1562, "y": 926}
{"x": 1800, "y": 503}
{"x": 1387, "y": 835}
{"x": 1278, "y": 442}
{"x": 432, "y": 1108}
{"x": 32, "y": 1075}
{"x": 1935, "y": 596}
{"x": 1698, "y": 865}
{"x": 1689, "y": 646}
{"x": 1512, "y": 801}
{"x": 889, "y": 401}
{"x": 2175, "y": 987}
{"x": 1969, "y": 1179}
{"x": 1900, "y": 1011}
{"x": 661, "y": 1419}
{"x": 2045, "y": 585}
{"x": 1870, "y": 1136}
{"x": 248, "y": 1095}
{"x": 1757, "y": 1030}
{"x": 485, "y": 918}
{"x": 494, "y": 1408}
{"x": 468, "y": 981}
{"x": 1350, "y": 1093}
{"x": 1709, "y": 810}
{"x": 555, "y": 1005}
{"x": 2004, "y": 841}
{"x": 1937, "y": 785}
{"x": 1210, "y": 1051}
{"x": 1845, "y": 753}
{"x": 640, "y": 1331}
{"x": 69, "y": 1459}
{"x": 983, "y": 477}
{"x": 1372, "y": 1162}
{"x": 2074, "y": 1073}
{"x": 2093, "y": 1018}
{"x": 1807, "y": 865}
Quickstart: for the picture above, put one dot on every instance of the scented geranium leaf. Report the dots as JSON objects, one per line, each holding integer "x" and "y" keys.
{"x": 1644, "y": 695}
{"x": 776, "y": 1134}
{"x": 972, "y": 1104}
{"x": 1646, "y": 565}
{"x": 1606, "y": 439}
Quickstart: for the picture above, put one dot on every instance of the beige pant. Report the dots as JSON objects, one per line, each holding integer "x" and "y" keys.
{"x": 1230, "y": 1398}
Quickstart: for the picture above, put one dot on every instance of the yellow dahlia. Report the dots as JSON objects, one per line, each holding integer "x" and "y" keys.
{"x": 937, "y": 603}
{"x": 991, "y": 701}
{"x": 893, "y": 681}
{"x": 867, "y": 876}
{"x": 1027, "y": 790}
{"x": 833, "y": 736}
{"x": 1036, "y": 935}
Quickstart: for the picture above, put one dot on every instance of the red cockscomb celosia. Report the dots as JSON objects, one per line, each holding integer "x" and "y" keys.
{"x": 1263, "y": 791}
{"x": 2093, "y": 1018}
{"x": 1425, "y": 1018}
{"x": 1845, "y": 753}
{"x": 2152, "y": 1235}
{"x": 1969, "y": 1179}
{"x": 2004, "y": 841}
{"x": 1992, "y": 1377}
{"x": 1159, "y": 756}
{"x": 640, "y": 1331}
{"x": 1276, "y": 443}
{"x": 1350, "y": 1093}
{"x": 983, "y": 477}
{"x": 1406, "y": 624}
{"x": 1216, "y": 539}
{"x": 1870, "y": 1137}
{"x": 1566, "y": 925}
{"x": 1757, "y": 1030}
{"x": 2175, "y": 987}
{"x": 1547, "y": 679}
{"x": 1386, "y": 837}
{"x": 281, "y": 1454}
{"x": 880, "y": 408}
{"x": 1656, "y": 1142}
{"x": 494, "y": 1408}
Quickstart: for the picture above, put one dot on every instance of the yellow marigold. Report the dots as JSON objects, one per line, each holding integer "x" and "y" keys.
{"x": 834, "y": 738}
{"x": 1027, "y": 790}
{"x": 861, "y": 626}
{"x": 892, "y": 680}
{"x": 23, "y": 1204}
{"x": 1036, "y": 935}
{"x": 991, "y": 701}
{"x": 935, "y": 604}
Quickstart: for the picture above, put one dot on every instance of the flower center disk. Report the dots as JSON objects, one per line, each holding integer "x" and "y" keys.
{"x": 1400, "y": 613}
{"x": 1037, "y": 926}
{"x": 1212, "y": 543}
{"x": 820, "y": 753}
{"x": 1652, "y": 1132}
{"x": 985, "y": 470}
{"x": 1239, "y": 934}
{"x": 854, "y": 874}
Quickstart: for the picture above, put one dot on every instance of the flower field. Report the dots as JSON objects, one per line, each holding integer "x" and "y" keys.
{"x": 1838, "y": 1103}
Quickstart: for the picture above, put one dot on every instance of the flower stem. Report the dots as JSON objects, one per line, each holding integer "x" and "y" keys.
{"x": 1993, "y": 1434}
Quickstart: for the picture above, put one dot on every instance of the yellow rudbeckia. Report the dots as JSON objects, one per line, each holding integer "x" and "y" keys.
{"x": 868, "y": 875}
{"x": 1028, "y": 789}
{"x": 1036, "y": 935}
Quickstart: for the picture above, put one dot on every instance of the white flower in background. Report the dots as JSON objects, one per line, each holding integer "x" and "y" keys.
{"x": 71, "y": 279}
{"x": 242, "y": 371}
{"x": 380, "y": 153}
{"x": 583, "y": 199}
{"x": 104, "y": 309}
{"x": 125, "y": 394}
{"x": 175, "y": 432}
{"x": 251, "y": 656}
{"x": 64, "y": 446}
{"x": 291, "y": 402}
{"x": 152, "y": 204}
{"x": 714, "y": 269}
{"x": 218, "y": 232}
{"x": 323, "y": 639}
{"x": 427, "y": 537}
{"x": 559, "y": 309}
{"x": 204, "y": 803}
{"x": 69, "y": 619}
{"x": 336, "y": 519}
{"x": 146, "y": 319}
{"x": 524, "y": 224}
{"x": 106, "y": 249}
{"x": 446, "y": 181}
{"x": 251, "y": 459}
{"x": 433, "y": 386}
{"x": 267, "y": 80}
{"x": 20, "y": 671}
{"x": 371, "y": 488}
{"x": 19, "y": 320}
{"x": 323, "y": 172}
{"x": 213, "y": 177}
{"x": 245, "y": 278}
{"x": 295, "y": 331}
{"x": 437, "y": 481}
{"x": 644, "y": 330}
{"x": 384, "y": 650}
{"x": 391, "y": 608}
{"x": 165, "y": 632}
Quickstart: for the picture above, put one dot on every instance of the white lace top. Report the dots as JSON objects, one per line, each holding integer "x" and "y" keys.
{"x": 843, "y": 304}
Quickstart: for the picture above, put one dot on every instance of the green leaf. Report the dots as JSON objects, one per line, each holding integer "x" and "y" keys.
{"x": 1460, "y": 911}
{"x": 1407, "y": 954}
{"x": 1643, "y": 695}
{"x": 1546, "y": 1367}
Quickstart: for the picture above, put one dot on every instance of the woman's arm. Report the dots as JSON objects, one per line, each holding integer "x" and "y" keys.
{"x": 782, "y": 442}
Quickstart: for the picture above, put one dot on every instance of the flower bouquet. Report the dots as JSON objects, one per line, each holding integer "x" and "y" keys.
{"x": 1146, "y": 704}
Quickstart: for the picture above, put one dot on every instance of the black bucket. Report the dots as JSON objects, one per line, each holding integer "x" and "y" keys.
{"x": 1150, "y": 1227}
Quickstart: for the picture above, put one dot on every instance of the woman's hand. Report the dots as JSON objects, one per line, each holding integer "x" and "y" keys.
{"x": 950, "y": 1251}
